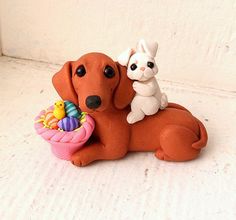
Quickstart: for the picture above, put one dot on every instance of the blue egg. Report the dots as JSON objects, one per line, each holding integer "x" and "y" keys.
{"x": 68, "y": 123}
{"x": 71, "y": 110}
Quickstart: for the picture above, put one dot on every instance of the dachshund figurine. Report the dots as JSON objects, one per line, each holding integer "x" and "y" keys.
{"x": 101, "y": 87}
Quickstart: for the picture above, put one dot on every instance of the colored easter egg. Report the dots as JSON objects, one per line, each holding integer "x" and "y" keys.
{"x": 71, "y": 110}
{"x": 68, "y": 123}
{"x": 50, "y": 120}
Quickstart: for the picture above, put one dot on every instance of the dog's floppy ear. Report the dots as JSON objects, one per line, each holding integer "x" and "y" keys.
{"x": 147, "y": 47}
{"x": 62, "y": 82}
{"x": 124, "y": 92}
{"x": 124, "y": 57}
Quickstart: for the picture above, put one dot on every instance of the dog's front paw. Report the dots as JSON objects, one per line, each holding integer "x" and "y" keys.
{"x": 79, "y": 159}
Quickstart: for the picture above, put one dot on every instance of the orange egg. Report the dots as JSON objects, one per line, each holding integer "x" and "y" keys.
{"x": 50, "y": 120}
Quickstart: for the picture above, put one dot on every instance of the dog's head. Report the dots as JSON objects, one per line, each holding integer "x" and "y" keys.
{"x": 95, "y": 82}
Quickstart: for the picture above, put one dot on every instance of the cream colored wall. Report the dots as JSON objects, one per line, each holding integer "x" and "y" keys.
{"x": 0, "y": 36}
{"x": 197, "y": 39}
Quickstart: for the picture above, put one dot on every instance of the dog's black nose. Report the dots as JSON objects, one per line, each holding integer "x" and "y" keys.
{"x": 93, "y": 101}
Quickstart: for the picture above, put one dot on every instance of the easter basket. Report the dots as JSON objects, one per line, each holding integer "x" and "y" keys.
{"x": 64, "y": 143}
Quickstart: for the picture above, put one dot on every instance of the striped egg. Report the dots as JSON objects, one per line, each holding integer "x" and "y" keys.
{"x": 68, "y": 123}
{"x": 71, "y": 110}
{"x": 50, "y": 120}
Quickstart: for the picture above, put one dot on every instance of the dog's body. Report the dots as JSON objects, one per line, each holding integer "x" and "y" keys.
{"x": 174, "y": 134}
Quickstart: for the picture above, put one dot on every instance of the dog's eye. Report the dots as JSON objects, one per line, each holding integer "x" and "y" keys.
{"x": 133, "y": 66}
{"x": 150, "y": 64}
{"x": 109, "y": 72}
{"x": 80, "y": 71}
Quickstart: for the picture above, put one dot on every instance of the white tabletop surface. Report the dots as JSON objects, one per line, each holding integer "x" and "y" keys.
{"x": 34, "y": 184}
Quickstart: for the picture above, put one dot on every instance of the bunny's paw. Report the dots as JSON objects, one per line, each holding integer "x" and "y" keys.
{"x": 134, "y": 117}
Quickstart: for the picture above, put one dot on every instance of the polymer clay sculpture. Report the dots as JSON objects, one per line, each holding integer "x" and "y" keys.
{"x": 65, "y": 127}
{"x": 59, "y": 110}
{"x": 101, "y": 88}
{"x": 49, "y": 120}
{"x": 142, "y": 68}
{"x": 68, "y": 123}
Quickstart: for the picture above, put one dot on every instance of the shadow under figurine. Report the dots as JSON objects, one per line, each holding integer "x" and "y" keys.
{"x": 101, "y": 88}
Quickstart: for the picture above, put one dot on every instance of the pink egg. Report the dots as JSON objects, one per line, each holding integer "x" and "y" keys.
{"x": 50, "y": 120}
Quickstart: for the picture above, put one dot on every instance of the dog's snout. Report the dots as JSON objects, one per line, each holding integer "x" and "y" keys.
{"x": 93, "y": 101}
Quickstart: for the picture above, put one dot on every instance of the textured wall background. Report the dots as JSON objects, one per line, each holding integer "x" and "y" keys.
{"x": 0, "y": 34}
{"x": 197, "y": 39}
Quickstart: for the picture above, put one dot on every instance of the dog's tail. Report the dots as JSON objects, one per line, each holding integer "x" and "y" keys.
{"x": 202, "y": 130}
{"x": 202, "y": 135}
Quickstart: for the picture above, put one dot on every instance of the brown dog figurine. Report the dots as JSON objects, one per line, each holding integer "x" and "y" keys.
{"x": 100, "y": 86}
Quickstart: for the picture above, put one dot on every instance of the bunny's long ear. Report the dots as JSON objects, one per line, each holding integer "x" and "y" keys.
{"x": 124, "y": 57}
{"x": 62, "y": 81}
{"x": 147, "y": 47}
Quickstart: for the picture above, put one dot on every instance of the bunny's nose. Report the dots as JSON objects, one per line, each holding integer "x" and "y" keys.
{"x": 142, "y": 68}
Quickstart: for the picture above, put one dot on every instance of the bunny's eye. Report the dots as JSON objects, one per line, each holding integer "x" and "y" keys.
{"x": 133, "y": 66}
{"x": 150, "y": 64}
{"x": 80, "y": 71}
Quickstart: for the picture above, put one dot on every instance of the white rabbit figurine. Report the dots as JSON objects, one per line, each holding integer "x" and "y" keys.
{"x": 142, "y": 68}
